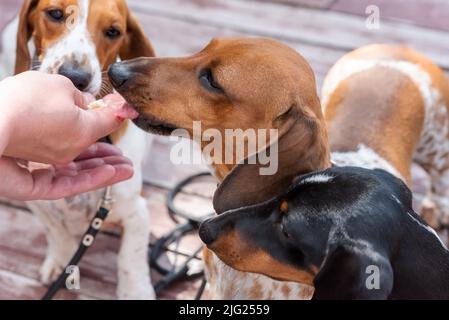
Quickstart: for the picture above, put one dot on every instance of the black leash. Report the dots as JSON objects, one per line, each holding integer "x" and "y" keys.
{"x": 86, "y": 241}
{"x": 182, "y": 273}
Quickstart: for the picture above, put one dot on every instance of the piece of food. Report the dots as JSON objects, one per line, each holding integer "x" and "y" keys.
{"x": 121, "y": 108}
{"x": 96, "y": 105}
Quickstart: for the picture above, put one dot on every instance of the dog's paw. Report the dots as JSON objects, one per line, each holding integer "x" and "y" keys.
{"x": 139, "y": 292}
{"x": 50, "y": 270}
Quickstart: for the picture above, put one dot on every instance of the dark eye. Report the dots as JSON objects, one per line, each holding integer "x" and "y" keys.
{"x": 284, "y": 231}
{"x": 113, "y": 33}
{"x": 56, "y": 15}
{"x": 283, "y": 210}
{"x": 207, "y": 80}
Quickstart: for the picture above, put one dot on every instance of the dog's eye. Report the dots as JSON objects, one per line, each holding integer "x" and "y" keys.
{"x": 113, "y": 33}
{"x": 56, "y": 15}
{"x": 207, "y": 80}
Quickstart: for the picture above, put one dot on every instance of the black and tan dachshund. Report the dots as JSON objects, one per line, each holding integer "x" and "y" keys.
{"x": 349, "y": 232}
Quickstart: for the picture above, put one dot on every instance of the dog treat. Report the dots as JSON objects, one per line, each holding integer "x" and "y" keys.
{"x": 96, "y": 105}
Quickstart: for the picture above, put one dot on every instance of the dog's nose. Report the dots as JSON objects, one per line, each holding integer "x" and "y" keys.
{"x": 118, "y": 74}
{"x": 80, "y": 78}
{"x": 207, "y": 235}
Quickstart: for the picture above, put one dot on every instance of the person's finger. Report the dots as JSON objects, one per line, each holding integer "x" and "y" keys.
{"x": 69, "y": 166}
{"x": 82, "y": 99}
{"x": 96, "y": 162}
{"x": 96, "y": 179}
{"x": 65, "y": 186}
{"x": 100, "y": 122}
{"x": 122, "y": 172}
{"x": 116, "y": 102}
{"x": 98, "y": 150}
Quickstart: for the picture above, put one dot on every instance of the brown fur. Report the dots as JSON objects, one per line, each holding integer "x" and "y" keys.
{"x": 393, "y": 132}
{"x": 117, "y": 135}
{"x": 242, "y": 256}
{"x": 168, "y": 90}
{"x": 280, "y": 93}
{"x": 390, "y": 100}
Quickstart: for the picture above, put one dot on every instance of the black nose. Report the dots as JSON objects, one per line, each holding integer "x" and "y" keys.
{"x": 207, "y": 235}
{"x": 118, "y": 74}
{"x": 80, "y": 78}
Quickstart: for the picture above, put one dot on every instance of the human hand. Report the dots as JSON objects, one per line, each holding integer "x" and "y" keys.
{"x": 45, "y": 118}
{"x": 100, "y": 165}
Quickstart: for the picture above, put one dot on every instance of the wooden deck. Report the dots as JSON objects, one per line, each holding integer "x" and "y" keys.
{"x": 321, "y": 30}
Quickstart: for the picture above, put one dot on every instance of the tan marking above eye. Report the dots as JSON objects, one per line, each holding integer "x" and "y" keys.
{"x": 284, "y": 207}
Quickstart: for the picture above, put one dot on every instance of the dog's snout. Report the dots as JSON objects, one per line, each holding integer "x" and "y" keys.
{"x": 118, "y": 74}
{"x": 79, "y": 77}
{"x": 207, "y": 234}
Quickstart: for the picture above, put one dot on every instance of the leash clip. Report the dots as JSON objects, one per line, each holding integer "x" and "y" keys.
{"x": 107, "y": 201}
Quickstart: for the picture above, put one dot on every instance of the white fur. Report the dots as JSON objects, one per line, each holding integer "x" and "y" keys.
{"x": 77, "y": 45}
{"x": 67, "y": 219}
{"x": 363, "y": 157}
{"x": 339, "y": 234}
{"x": 317, "y": 178}
{"x": 396, "y": 199}
{"x": 229, "y": 283}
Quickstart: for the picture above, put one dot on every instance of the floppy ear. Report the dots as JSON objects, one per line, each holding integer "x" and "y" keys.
{"x": 301, "y": 148}
{"x": 24, "y": 32}
{"x": 136, "y": 44}
{"x": 350, "y": 274}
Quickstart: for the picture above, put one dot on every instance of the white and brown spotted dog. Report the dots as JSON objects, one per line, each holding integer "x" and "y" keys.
{"x": 384, "y": 109}
{"x": 387, "y": 107}
{"x": 80, "y": 39}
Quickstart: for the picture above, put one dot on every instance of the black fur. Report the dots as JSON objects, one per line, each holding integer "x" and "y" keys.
{"x": 358, "y": 218}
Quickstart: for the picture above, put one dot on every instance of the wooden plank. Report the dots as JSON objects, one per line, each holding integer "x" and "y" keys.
{"x": 170, "y": 39}
{"x": 23, "y": 245}
{"x": 319, "y": 4}
{"x": 9, "y": 9}
{"x": 432, "y": 14}
{"x": 320, "y": 28}
{"x": 22, "y": 250}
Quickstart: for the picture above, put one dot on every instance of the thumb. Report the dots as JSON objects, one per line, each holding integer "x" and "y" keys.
{"x": 100, "y": 122}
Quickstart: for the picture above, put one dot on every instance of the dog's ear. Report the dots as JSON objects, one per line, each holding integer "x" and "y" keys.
{"x": 351, "y": 274}
{"x": 136, "y": 43}
{"x": 300, "y": 147}
{"x": 24, "y": 33}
